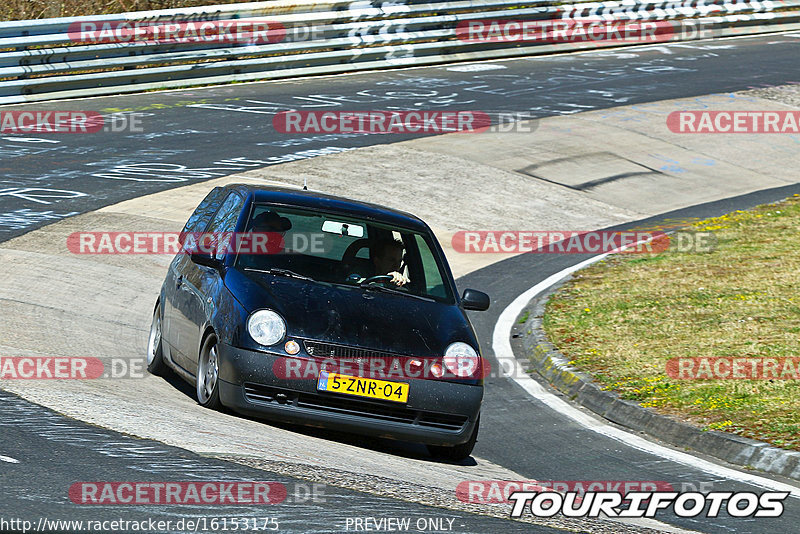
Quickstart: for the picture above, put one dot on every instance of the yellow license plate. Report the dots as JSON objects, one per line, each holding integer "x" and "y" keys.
{"x": 362, "y": 387}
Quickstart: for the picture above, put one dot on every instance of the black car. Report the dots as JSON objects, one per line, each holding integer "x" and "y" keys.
{"x": 344, "y": 316}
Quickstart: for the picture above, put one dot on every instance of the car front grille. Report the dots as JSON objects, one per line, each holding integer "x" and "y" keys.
{"x": 262, "y": 394}
{"x": 329, "y": 350}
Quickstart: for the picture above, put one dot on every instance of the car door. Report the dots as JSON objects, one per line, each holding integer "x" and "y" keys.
{"x": 196, "y": 286}
{"x": 197, "y": 223}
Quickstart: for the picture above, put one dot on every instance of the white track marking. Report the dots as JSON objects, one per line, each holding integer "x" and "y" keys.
{"x": 414, "y": 67}
{"x": 501, "y": 344}
{"x": 476, "y": 67}
{"x": 8, "y": 459}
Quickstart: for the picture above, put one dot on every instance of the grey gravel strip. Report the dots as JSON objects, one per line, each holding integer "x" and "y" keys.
{"x": 785, "y": 94}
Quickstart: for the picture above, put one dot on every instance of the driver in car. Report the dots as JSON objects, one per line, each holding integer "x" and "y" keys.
{"x": 387, "y": 257}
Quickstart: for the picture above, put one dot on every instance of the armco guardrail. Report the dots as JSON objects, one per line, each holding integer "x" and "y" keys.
{"x": 107, "y": 54}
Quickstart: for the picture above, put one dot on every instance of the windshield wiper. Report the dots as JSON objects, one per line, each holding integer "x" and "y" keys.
{"x": 281, "y": 272}
{"x": 373, "y": 285}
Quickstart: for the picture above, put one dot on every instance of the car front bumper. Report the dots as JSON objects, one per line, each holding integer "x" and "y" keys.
{"x": 438, "y": 412}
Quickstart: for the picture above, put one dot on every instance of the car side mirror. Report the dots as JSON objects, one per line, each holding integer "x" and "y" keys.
{"x": 205, "y": 259}
{"x": 475, "y": 300}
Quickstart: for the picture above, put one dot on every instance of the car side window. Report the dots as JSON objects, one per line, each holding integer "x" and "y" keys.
{"x": 204, "y": 211}
{"x": 224, "y": 222}
{"x": 434, "y": 281}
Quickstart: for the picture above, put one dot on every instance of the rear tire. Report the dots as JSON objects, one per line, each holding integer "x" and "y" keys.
{"x": 208, "y": 375}
{"x": 458, "y": 452}
{"x": 155, "y": 352}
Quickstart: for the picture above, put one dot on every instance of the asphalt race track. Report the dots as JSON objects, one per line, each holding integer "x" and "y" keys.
{"x": 198, "y": 134}
{"x": 44, "y": 436}
{"x": 206, "y": 133}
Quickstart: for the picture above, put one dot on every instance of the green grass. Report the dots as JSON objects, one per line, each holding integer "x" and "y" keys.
{"x": 622, "y": 319}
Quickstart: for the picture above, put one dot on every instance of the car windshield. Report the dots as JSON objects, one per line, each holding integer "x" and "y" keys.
{"x": 338, "y": 249}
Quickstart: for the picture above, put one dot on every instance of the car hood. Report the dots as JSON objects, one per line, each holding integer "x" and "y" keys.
{"x": 354, "y": 316}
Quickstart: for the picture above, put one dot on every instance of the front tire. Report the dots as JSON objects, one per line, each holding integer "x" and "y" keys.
{"x": 459, "y": 452}
{"x": 155, "y": 352}
{"x": 208, "y": 375}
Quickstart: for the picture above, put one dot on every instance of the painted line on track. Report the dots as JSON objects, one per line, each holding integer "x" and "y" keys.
{"x": 8, "y": 459}
{"x": 613, "y": 49}
{"x": 501, "y": 344}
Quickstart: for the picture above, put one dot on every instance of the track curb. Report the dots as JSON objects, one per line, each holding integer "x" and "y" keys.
{"x": 541, "y": 356}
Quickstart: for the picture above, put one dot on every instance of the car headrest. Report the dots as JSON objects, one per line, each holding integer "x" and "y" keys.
{"x": 269, "y": 221}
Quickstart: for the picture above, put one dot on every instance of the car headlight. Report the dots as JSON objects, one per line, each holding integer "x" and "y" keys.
{"x": 266, "y": 327}
{"x": 461, "y": 360}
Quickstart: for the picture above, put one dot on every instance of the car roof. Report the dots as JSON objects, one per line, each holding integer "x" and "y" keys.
{"x": 290, "y": 196}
